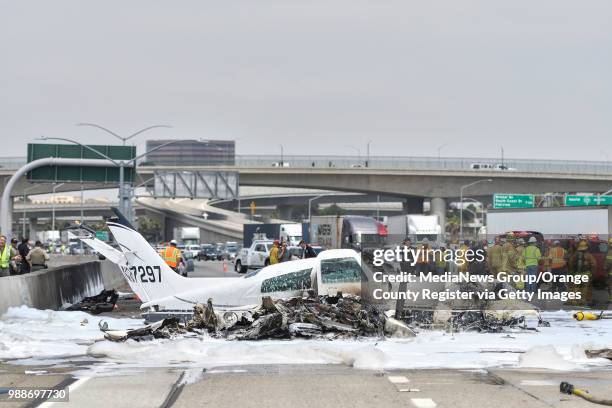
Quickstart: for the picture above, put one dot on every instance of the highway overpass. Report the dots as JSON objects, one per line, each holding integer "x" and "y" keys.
{"x": 412, "y": 178}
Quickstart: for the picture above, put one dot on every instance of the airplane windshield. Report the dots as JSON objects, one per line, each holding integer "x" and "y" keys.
{"x": 299, "y": 280}
{"x": 340, "y": 270}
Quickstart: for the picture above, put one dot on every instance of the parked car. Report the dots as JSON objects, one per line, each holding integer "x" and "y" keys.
{"x": 208, "y": 252}
{"x": 231, "y": 250}
{"x": 280, "y": 164}
{"x": 193, "y": 249}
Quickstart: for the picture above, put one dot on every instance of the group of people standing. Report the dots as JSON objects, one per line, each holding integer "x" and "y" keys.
{"x": 280, "y": 252}
{"x": 19, "y": 258}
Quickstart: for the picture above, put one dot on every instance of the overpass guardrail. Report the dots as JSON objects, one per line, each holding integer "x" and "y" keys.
{"x": 377, "y": 162}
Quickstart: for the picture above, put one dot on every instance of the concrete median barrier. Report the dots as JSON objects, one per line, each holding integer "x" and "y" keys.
{"x": 53, "y": 287}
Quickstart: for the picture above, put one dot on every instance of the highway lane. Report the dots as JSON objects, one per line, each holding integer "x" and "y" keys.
{"x": 214, "y": 269}
{"x": 310, "y": 386}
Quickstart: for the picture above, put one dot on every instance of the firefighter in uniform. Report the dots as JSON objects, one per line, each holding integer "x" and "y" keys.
{"x": 172, "y": 256}
{"x": 582, "y": 263}
{"x": 509, "y": 258}
{"x": 557, "y": 261}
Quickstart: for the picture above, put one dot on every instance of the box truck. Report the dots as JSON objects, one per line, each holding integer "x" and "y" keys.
{"x": 187, "y": 235}
{"x": 415, "y": 226}
{"x": 346, "y": 231}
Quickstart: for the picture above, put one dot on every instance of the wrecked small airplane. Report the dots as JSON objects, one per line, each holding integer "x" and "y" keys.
{"x": 165, "y": 293}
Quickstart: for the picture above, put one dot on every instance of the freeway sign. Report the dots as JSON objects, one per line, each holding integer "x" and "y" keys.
{"x": 582, "y": 200}
{"x": 513, "y": 201}
{"x": 102, "y": 235}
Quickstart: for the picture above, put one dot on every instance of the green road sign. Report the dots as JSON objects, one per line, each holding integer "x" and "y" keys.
{"x": 102, "y": 235}
{"x": 513, "y": 201}
{"x": 583, "y": 200}
{"x": 61, "y": 174}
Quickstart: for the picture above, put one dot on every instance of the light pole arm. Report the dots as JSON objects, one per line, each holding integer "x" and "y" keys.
{"x": 5, "y": 203}
{"x": 145, "y": 129}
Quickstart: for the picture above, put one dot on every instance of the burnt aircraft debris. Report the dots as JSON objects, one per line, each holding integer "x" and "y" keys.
{"x": 329, "y": 317}
{"x": 105, "y": 301}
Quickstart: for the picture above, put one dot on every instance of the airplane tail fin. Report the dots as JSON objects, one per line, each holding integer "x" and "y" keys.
{"x": 147, "y": 273}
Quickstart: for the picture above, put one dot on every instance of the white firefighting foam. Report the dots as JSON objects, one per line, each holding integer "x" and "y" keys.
{"x": 30, "y": 336}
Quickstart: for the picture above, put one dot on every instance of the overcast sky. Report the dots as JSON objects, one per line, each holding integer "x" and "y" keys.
{"x": 532, "y": 76}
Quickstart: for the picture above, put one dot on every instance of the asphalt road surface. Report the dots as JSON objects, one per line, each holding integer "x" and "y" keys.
{"x": 311, "y": 386}
{"x": 214, "y": 269}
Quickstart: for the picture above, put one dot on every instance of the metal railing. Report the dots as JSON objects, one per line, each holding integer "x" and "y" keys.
{"x": 378, "y": 162}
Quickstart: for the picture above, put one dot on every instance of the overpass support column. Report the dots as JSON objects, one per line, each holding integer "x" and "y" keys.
{"x": 413, "y": 205}
{"x": 32, "y": 235}
{"x": 285, "y": 212}
{"x": 438, "y": 207}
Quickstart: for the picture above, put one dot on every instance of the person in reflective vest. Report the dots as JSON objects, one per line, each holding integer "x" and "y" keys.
{"x": 172, "y": 255}
{"x": 7, "y": 254}
{"x": 557, "y": 260}
{"x": 531, "y": 260}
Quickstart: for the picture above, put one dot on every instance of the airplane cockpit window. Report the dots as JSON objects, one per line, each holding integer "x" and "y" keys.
{"x": 299, "y": 280}
{"x": 340, "y": 270}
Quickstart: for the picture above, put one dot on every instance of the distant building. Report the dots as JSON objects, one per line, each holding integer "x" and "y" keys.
{"x": 192, "y": 153}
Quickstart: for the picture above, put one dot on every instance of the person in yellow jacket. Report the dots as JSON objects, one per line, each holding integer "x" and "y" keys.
{"x": 582, "y": 263}
{"x": 172, "y": 255}
{"x": 608, "y": 269}
{"x": 461, "y": 256}
{"x": 531, "y": 259}
{"x": 274, "y": 253}
{"x": 509, "y": 256}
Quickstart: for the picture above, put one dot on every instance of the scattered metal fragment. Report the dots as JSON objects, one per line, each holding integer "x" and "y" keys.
{"x": 599, "y": 353}
{"x": 103, "y": 302}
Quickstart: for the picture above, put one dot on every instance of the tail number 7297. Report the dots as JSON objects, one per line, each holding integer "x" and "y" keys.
{"x": 145, "y": 274}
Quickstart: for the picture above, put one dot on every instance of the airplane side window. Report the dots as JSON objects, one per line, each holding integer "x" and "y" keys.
{"x": 299, "y": 280}
{"x": 340, "y": 270}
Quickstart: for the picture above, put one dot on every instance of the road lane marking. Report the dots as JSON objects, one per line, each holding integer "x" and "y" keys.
{"x": 398, "y": 379}
{"x": 423, "y": 402}
{"x": 539, "y": 383}
{"x": 71, "y": 389}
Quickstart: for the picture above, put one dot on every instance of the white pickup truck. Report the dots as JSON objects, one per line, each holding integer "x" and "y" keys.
{"x": 256, "y": 256}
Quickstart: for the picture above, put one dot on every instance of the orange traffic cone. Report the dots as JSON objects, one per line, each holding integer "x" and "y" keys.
{"x": 224, "y": 267}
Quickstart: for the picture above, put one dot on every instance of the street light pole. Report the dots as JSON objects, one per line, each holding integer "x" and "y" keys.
{"x": 461, "y": 202}
{"x": 53, "y": 206}
{"x": 282, "y": 160}
{"x": 124, "y": 200}
{"x": 123, "y": 139}
{"x": 367, "y": 163}
{"x": 310, "y": 200}
{"x": 23, "y": 221}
